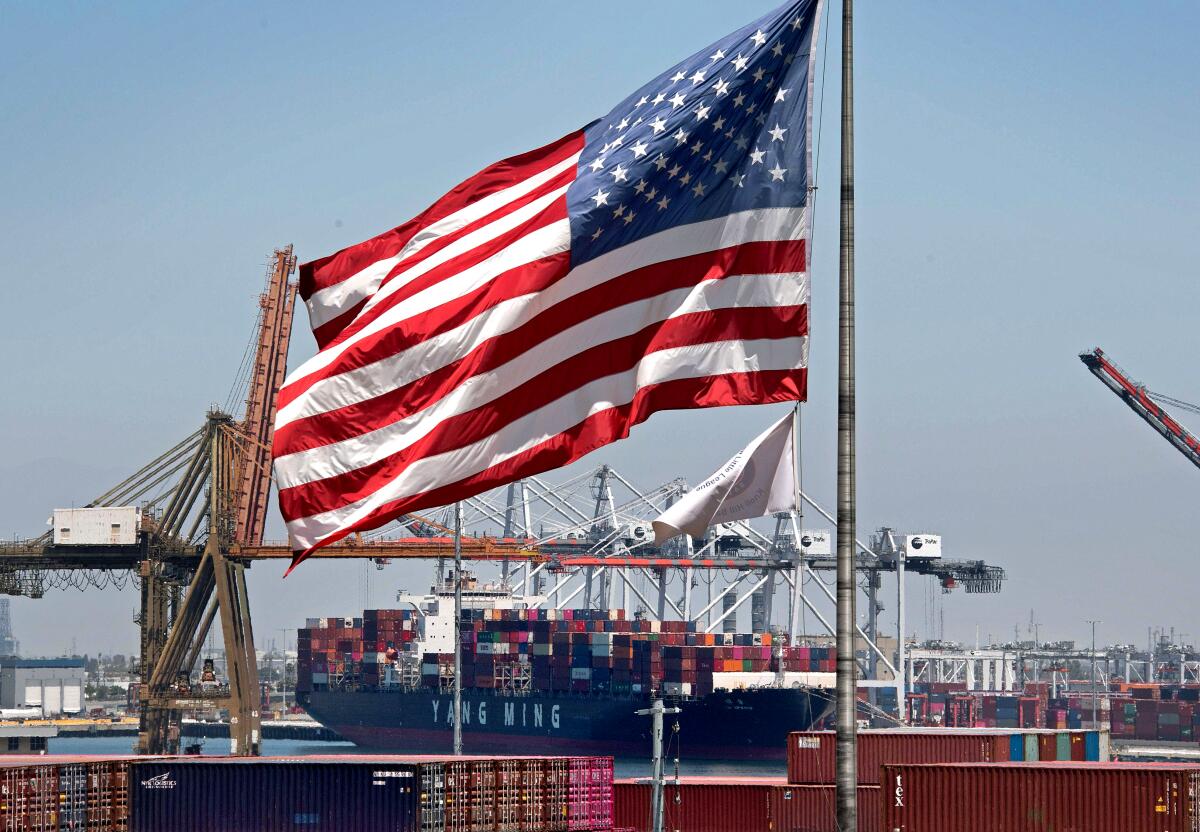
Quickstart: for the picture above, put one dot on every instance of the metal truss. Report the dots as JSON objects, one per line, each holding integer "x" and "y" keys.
{"x": 593, "y": 531}
{"x": 983, "y": 670}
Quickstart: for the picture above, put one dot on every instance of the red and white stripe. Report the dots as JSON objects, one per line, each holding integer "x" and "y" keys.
{"x": 461, "y": 351}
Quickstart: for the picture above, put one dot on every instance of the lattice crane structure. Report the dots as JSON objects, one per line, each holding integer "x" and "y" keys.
{"x": 1147, "y": 404}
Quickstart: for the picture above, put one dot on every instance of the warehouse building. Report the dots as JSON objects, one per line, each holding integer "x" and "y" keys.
{"x": 54, "y": 685}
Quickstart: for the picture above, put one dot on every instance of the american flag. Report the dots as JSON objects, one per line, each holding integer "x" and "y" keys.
{"x": 654, "y": 260}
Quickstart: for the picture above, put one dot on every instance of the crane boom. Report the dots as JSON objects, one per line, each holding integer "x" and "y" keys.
{"x": 258, "y": 427}
{"x": 1139, "y": 400}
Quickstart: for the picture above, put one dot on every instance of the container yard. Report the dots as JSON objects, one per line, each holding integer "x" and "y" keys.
{"x": 368, "y": 794}
{"x": 922, "y": 781}
{"x": 336, "y": 794}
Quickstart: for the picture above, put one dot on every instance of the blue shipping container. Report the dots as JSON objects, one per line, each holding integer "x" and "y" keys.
{"x": 1016, "y": 748}
{"x": 198, "y": 795}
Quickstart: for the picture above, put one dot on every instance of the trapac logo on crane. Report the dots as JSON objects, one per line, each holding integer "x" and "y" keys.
{"x": 922, "y": 546}
{"x": 816, "y": 542}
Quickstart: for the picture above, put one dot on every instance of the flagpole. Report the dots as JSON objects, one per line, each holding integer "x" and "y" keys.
{"x": 457, "y": 628}
{"x": 846, "y": 767}
{"x": 797, "y": 525}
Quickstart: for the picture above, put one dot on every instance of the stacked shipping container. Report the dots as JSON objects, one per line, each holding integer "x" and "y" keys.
{"x": 811, "y": 753}
{"x": 578, "y": 651}
{"x": 386, "y": 635}
{"x": 47, "y": 794}
{"x": 951, "y": 705}
{"x": 328, "y": 650}
{"x": 1166, "y": 712}
{"x": 598, "y": 651}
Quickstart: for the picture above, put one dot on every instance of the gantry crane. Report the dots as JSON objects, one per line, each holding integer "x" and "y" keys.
{"x": 1145, "y": 403}
{"x": 233, "y": 457}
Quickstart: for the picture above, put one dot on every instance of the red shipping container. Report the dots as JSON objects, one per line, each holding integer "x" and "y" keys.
{"x": 698, "y": 804}
{"x": 590, "y": 794}
{"x": 811, "y": 753}
{"x": 1033, "y": 797}
{"x": 719, "y": 804}
{"x": 813, "y": 809}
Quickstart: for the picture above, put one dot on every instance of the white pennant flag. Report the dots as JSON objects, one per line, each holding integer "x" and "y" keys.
{"x": 759, "y": 480}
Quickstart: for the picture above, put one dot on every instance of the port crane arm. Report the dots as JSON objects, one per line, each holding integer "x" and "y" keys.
{"x": 1142, "y": 402}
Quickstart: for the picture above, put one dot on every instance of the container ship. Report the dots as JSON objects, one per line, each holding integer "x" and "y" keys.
{"x": 536, "y": 681}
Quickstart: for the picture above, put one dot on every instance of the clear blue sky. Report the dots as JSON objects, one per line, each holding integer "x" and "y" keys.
{"x": 1027, "y": 188}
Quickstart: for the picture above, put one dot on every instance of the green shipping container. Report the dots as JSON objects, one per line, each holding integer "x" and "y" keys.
{"x": 1031, "y": 747}
{"x": 1064, "y": 747}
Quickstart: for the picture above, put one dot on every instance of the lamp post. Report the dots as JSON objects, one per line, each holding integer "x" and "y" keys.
{"x": 1094, "y": 622}
{"x": 283, "y": 631}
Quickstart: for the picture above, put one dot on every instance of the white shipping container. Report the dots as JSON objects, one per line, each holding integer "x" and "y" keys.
{"x": 495, "y": 648}
{"x": 766, "y": 678}
{"x": 106, "y": 526}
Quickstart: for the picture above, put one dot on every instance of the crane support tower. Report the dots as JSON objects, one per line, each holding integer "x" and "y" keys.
{"x": 234, "y": 458}
{"x": 1142, "y": 402}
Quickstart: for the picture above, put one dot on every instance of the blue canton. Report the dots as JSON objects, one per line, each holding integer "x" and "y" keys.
{"x": 724, "y": 131}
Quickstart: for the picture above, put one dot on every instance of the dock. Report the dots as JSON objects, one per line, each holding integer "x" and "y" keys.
{"x": 272, "y": 729}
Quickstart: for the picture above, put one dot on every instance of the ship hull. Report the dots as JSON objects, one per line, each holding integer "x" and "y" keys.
{"x": 749, "y": 724}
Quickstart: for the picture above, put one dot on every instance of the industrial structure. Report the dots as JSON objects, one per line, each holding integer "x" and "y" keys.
{"x": 191, "y": 521}
{"x": 9, "y": 646}
{"x": 1145, "y": 403}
